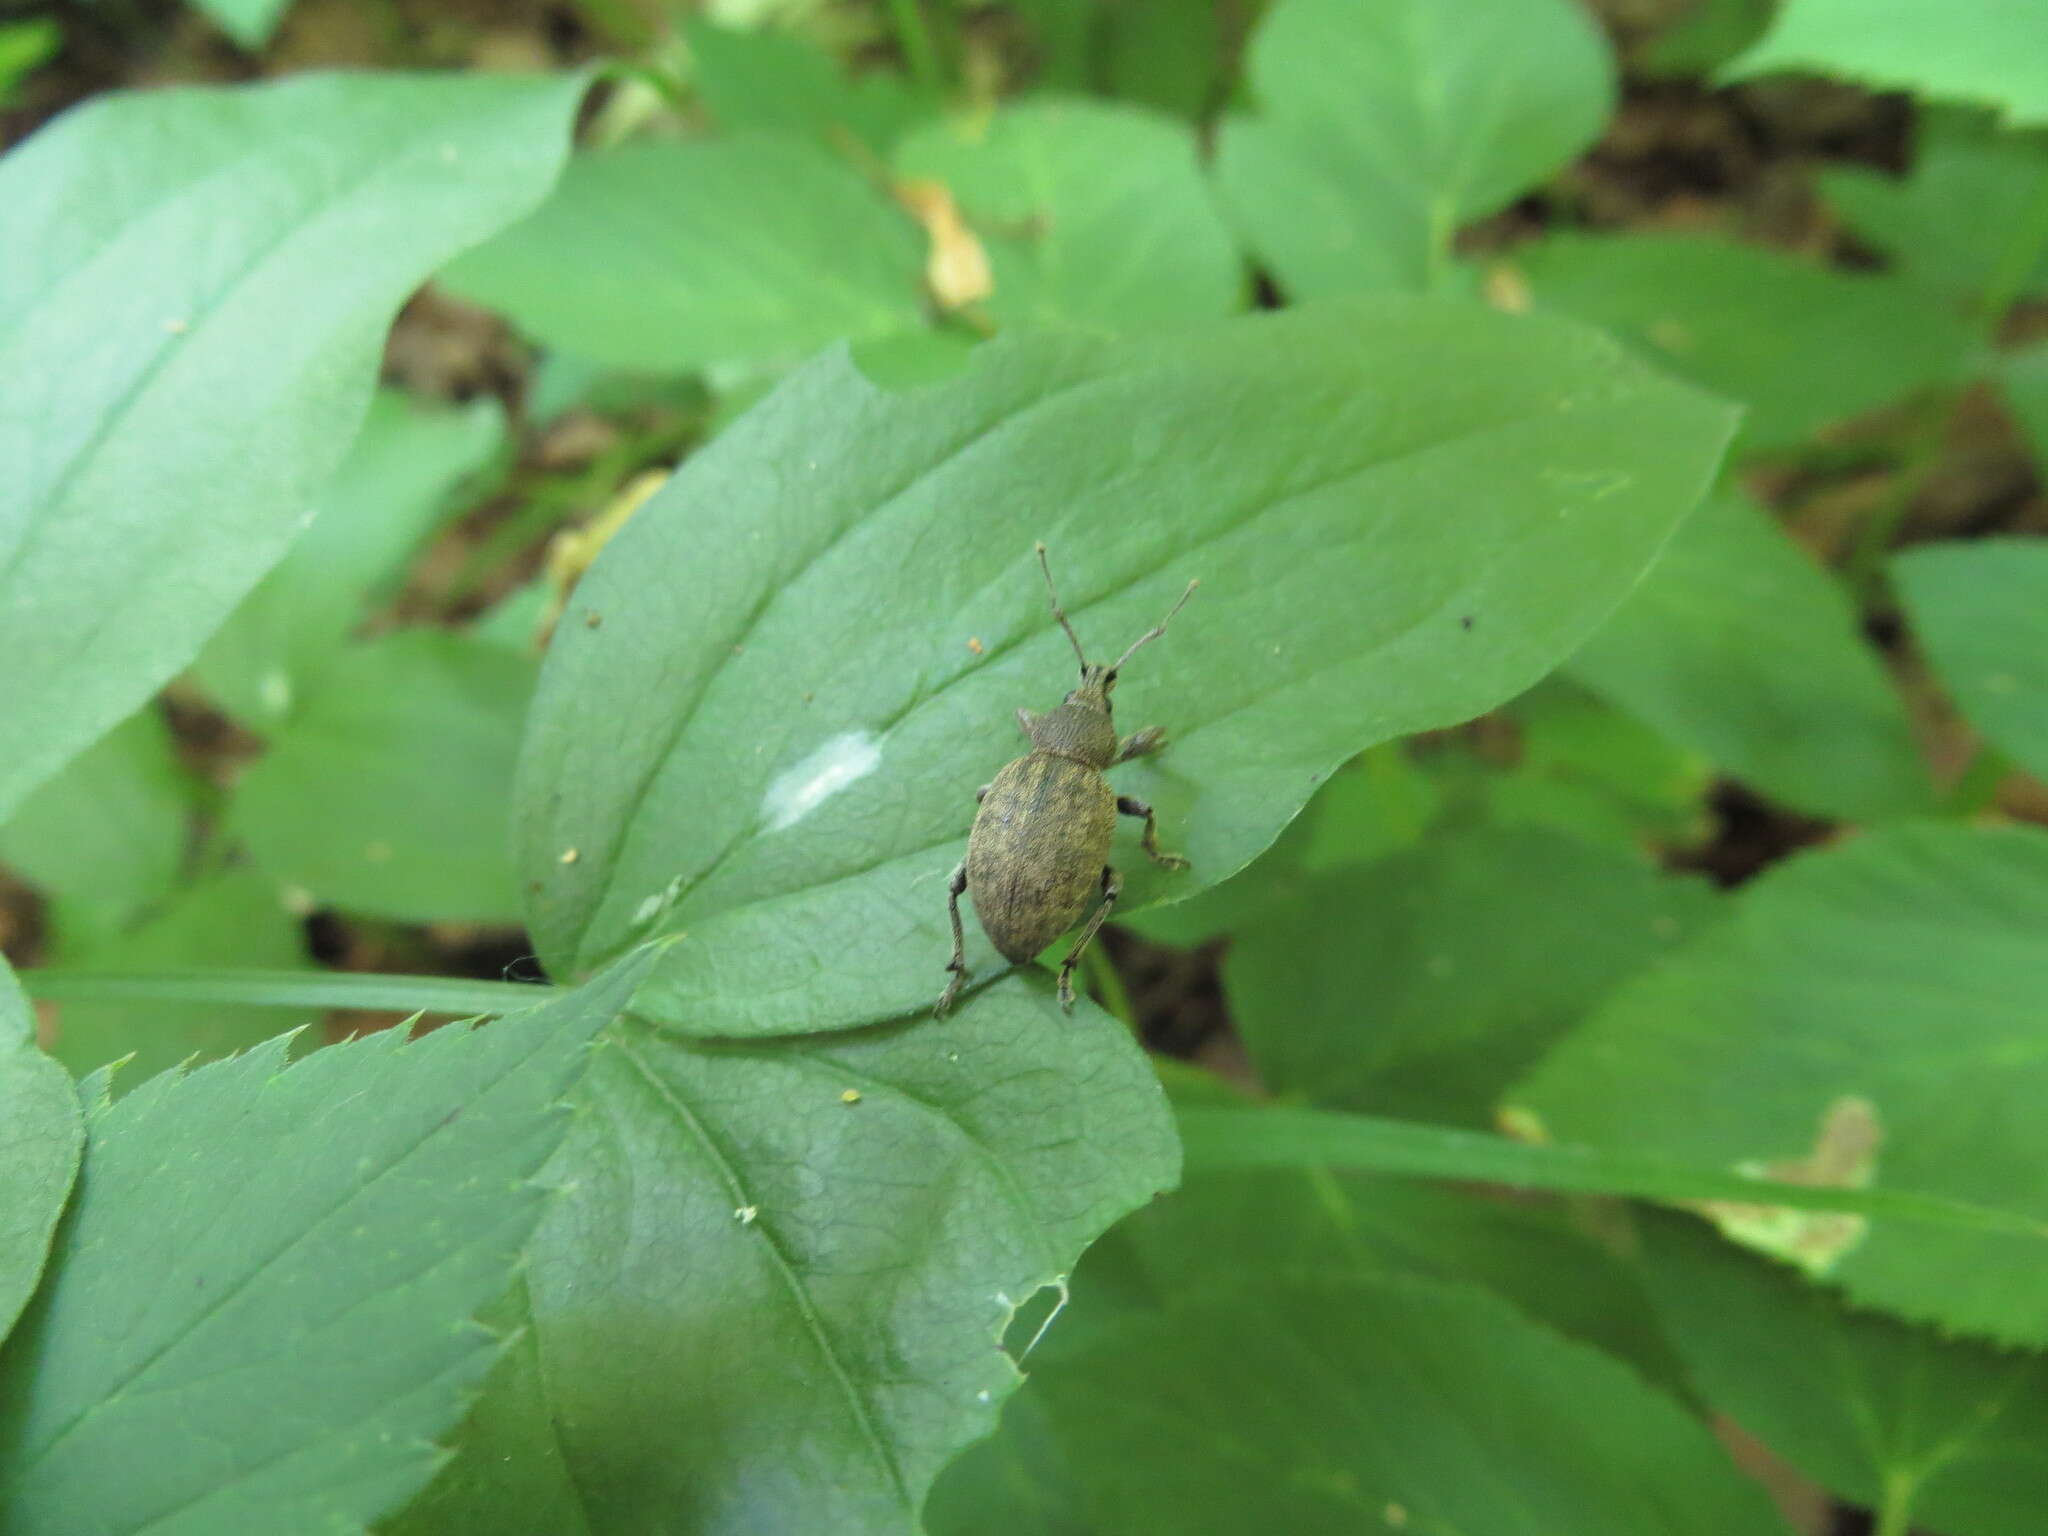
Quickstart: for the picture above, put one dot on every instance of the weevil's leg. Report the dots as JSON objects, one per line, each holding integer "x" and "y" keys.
{"x": 981, "y": 794}
{"x": 958, "y": 964}
{"x": 1131, "y": 805}
{"x": 1151, "y": 739}
{"x": 1112, "y": 887}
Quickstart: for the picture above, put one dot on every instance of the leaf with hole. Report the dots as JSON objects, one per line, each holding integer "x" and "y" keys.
{"x": 777, "y": 1273}
{"x": 1869, "y": 1016}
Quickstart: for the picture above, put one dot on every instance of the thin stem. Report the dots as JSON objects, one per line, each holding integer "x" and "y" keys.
{"x": 1977, "y": 787}
{"x": 1880, "y": 529}
{"x": 449, "y": 996}
{"x": 1895, "y": 1516}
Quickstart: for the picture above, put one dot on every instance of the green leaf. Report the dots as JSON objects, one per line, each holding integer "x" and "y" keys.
{"x": 1707, "y": 34}
{"x": 1386, "y": 124}
{"x": 767, "y": 82}
{"x": 1092, "y": 216}
{"x": 772, "y": 1288}
{"x": 453, "y": 996}
{"x": 1986, "y": 51}
{"x": 1869, "y": 1016}
{"x": 41, "y": 1132}
{"x": 1584, "y": 768}
{"x": 1932, "y": 224}
{"x": 1171, "y": 58}
{"x": 1385, "y": 1402}
{"x": 1980, "y": 611}
{"x": 1426, "y": 983}
{"x": 1799, "y": 345}
{"x": 1280, "y": 1136}
{"x": 106, "y": 838}
{"x": 237, "y": 255}
{"x": 2024, "y": 377}
{"x": 235, "y": 918}
{"x": 278, "y": 646}
{"x": 753, "y": 250}
{"x": 25, "y": 46}
{"x": 776, "y": 752}
{"x": 1740, "y": 646}
{"x": 1928, "y": 1432}
{"x": 388, "y": 792}
{"x": 1373, "y": 805}
{"x": 249, "y": 22}
{"x": 263, "y": 1335}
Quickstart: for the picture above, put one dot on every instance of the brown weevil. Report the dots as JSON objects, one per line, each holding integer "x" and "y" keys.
{"x": 1040, "y": 844}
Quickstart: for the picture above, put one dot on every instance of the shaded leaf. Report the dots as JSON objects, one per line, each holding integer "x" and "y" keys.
{"x": 1896, "y": 974}
{"x": 1980, "y": 611}
{"x": 1342, "y": 1405}
{"x": 1741, "y": 647}
{"x": 232, "y": 918}
{"x": 107, "y": 836}
{"x": 776, "y": 753}
{"x": 1386, "y": 124}
{"x": 260, "y": 1334}
{"x": 1925, "y": 1431}
{"x": 1426, "y": 983}
{"x": 277, "y": 647}
{"x": 40, "y": 1137}
{"x": 1933, "y": 223}
{"x": 771, "y": 1292}
{"x": 2024, "y": 378}
{"x": 1799, "y": 345}
{"x": 1986, "y": 51}
{"x": 388, "y": 793}
{"x": 752, "y": 250}
{"x": 24, "y": 47}
{"x": 249, "y": 22}
{"x": 1092, "y": 215}
{"x": 236, "y": 255}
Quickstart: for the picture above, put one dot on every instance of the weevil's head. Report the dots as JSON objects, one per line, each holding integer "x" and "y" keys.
{"x": 1082, "y": 727}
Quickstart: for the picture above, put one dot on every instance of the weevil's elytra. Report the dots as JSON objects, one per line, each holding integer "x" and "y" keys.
{"x": 1039, "y": 851}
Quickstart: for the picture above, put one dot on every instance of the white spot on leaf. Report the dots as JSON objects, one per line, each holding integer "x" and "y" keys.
{"x": 796, "y": 792}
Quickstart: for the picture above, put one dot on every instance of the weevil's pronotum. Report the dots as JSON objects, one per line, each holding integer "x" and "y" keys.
{"x": 1040, "y": 844}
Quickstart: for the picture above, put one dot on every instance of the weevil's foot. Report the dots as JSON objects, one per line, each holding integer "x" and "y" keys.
{"x": 1171, "y": 861}
{"x": 1066, "y": 993}
{"x": 946, "y": 998}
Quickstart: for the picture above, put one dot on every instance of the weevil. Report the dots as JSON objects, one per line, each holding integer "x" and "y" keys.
{"x": 1040, "y": 845}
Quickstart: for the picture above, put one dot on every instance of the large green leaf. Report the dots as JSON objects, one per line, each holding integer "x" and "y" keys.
{"x": 1928, "y": 1432}
{"x": 234, "y": 257}
{"x": 1386, "y": 124}
{"x": 770, "y": 1294}
{"x": 779, "y": 686}
{"x": 235, "y": 918}
{"x": 388, "y": 792}
{"x": 752, "y": 250}
{"x": 1797, "y": 344}
{"x": 277, "y": 647}
{"x": 1092, "y": 215}
{"x": 1342, "y": 1405}
{"x": 1933, "y": 224}
{"x": 1425, "y": 983}
{"x": 1980, "y": 610}
{"x": 107, "y": 836}
{"x": 770, "y": 82}
{"x": 1871, "y": 1014}
{"x": 1740, "y": 646}
{"x": 1990, "y": 51}
{"x": 259, "y": 1309}
{"x": 40, "y": 1137}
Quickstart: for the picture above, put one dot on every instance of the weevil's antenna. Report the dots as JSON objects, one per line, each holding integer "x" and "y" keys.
{"x": 1057, "y": 611}
{"x": 1157, "y": 629}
